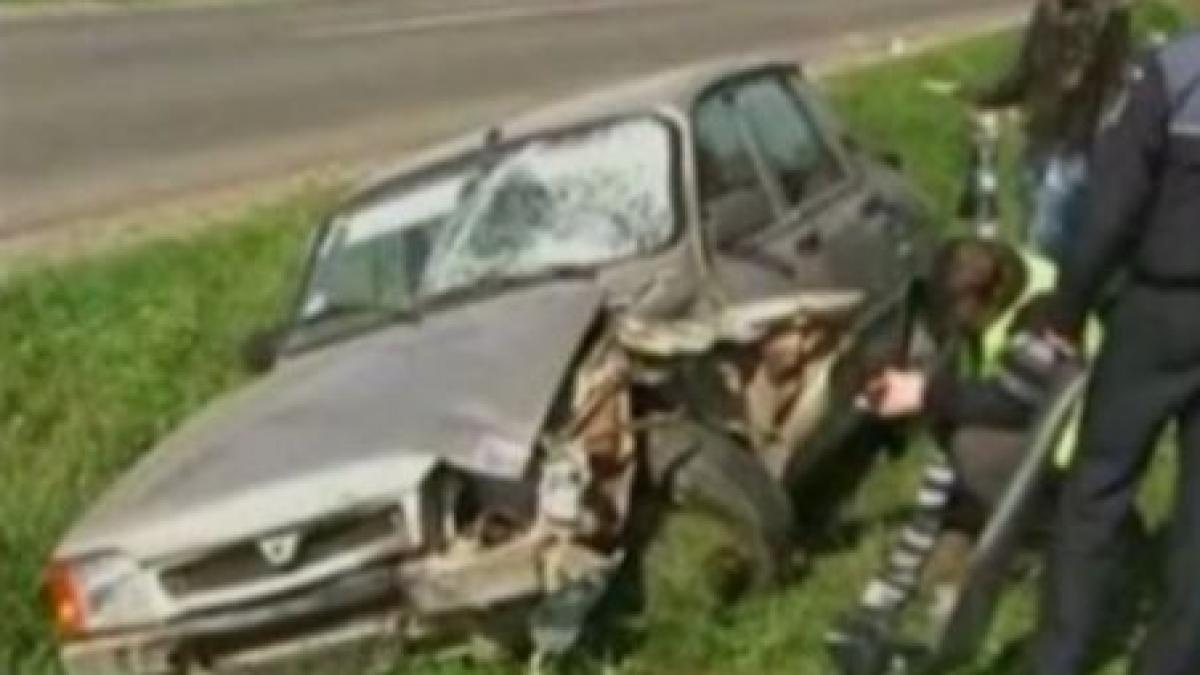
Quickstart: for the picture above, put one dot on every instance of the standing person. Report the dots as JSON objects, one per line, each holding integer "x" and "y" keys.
{"x": 1071, "y": 61}
{"x": 1144, "y": 217}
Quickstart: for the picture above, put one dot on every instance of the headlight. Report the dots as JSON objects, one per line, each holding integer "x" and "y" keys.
{"x": 98, "y": 592}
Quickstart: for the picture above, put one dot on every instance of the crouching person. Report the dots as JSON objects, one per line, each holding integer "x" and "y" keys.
{"x": 979, "y": 403}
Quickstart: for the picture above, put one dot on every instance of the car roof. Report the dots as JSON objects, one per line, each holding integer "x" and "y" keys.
{"x": 674, "y": 89}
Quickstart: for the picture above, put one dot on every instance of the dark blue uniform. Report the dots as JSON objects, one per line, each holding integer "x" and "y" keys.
{"x": 1144, "y": 219}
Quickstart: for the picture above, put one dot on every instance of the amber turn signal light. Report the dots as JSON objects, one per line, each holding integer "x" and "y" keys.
{"x": 65, "y": 600}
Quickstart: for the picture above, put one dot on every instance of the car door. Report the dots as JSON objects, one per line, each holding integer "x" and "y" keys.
{"x": 740, "y": 199}
{"x": 784, "y": 209}
{"x": 762, "y": 160}
{"x": 867, "y": 213}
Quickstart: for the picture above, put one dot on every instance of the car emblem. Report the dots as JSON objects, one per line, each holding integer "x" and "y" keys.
{"x": 280, "y": 550}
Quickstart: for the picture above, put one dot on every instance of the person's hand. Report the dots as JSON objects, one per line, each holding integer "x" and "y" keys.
{"x": 895, "y": 394}
{"x": 1066, "y": 344}
{"x": 1044, "y": 324}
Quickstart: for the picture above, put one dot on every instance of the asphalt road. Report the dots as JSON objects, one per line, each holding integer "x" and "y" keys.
{"x": 106, "y": 110}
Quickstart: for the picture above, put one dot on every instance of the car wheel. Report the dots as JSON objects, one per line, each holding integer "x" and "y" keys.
{"x": 726, "y": 528}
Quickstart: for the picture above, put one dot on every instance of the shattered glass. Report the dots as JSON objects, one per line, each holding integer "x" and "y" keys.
{"x": 580, "y": 199}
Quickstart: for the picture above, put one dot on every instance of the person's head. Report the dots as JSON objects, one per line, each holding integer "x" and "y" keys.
{"x": 973, "y": 281}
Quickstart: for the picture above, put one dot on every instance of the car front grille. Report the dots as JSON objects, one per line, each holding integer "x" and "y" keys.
{"x": 246, "y": 563}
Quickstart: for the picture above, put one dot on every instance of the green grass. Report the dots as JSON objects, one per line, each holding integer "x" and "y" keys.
{"x": 99, "y": 359}
{"x": 889, "y": 109}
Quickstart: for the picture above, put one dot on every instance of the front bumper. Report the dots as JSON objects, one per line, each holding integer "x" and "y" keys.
{"x": 464, "y": 590}
{"x": 348, "y": 610}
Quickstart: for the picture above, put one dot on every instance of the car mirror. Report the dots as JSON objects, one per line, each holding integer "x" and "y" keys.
{"x": 261, "y": 349}
{"x": 736, "y": 215}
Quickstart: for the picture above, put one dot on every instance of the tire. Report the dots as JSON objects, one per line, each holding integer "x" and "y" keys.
{"x": 720, "y": 479}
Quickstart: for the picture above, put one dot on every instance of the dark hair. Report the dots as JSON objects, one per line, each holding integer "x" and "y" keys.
{"x": 976, "y": 276}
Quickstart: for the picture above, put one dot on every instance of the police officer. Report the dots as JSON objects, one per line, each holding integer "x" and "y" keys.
{"x": 1143, "y": 218}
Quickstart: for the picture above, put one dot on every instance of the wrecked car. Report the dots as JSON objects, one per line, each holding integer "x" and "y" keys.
{"x": 673, "y": 283}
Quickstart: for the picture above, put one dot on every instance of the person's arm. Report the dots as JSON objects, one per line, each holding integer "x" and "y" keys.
{"x": 1125, "y": 166}
{"x": 955, "y": 400}
{"x": 1010, "y": 88}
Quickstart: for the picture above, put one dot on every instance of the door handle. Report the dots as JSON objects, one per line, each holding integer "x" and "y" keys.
{"x": 809, "y": 241}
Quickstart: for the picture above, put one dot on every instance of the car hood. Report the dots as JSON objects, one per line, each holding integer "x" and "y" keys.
{"x": 351, "y": 425}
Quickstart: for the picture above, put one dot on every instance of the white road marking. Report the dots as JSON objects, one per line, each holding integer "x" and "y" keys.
{"x": 484, "y": 17}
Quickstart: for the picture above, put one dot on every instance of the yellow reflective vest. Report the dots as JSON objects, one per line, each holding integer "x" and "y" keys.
{"x": 1041, "y": 277}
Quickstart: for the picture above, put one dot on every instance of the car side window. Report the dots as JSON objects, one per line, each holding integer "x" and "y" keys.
{"x": 725, "y": 165}
{"x": 788, "y": 137}
{"x": 766, "y": 112}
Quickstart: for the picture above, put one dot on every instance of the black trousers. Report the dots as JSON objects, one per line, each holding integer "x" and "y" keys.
{"x": 985, "y": 460}
{"x": 1147, "y": 376}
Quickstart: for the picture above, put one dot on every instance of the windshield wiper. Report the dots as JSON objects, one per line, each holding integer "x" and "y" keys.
{"x": 342, "y": 321}
{"x": 366, "y": 312}
{"x": 499, "y": 281}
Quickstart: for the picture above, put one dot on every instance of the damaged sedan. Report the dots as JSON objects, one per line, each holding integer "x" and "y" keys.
{"x": 498, "y": 348}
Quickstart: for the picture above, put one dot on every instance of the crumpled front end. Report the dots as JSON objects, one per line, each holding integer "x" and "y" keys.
{"x": 457, "y": 558}
{"x": 294, "y": 590}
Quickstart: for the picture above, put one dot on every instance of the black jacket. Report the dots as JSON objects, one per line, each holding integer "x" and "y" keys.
{"x": 1012, "y": 392}
{"x": 1144, "y": 196}
{"x": 1070, "y": 62}
{"x": 953, "y": 401}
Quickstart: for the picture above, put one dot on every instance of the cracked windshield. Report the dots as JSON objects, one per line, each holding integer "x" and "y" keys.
{"x": 576, "y": 200}
{"x": 767, "y": 337}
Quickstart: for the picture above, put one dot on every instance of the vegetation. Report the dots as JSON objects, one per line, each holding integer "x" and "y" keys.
{"x": 99, "y": 359}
